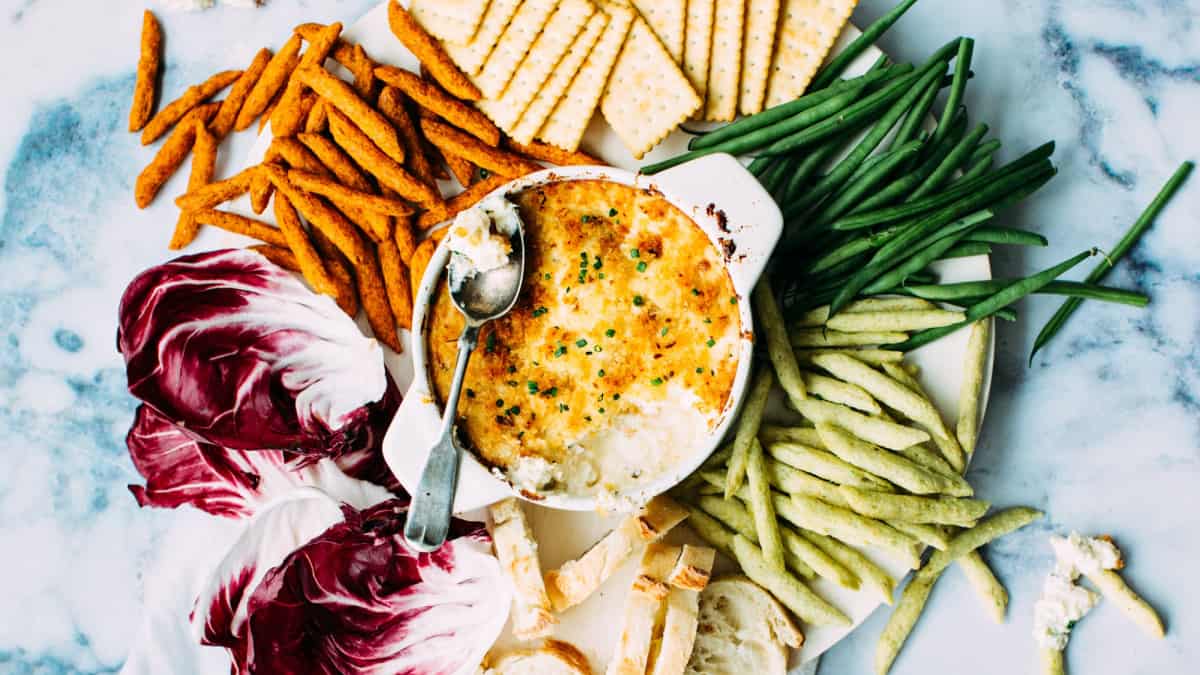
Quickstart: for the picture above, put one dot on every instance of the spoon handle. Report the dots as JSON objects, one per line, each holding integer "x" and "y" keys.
{"x": 429, "y": 515}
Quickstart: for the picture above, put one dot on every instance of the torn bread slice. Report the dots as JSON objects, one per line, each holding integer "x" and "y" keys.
{"x": 643, "y": 610}
{"x": 517, "y": 551}
{"x": 673, "y": 645}
{"x": 742, "y": 630}
{"x": 552, "y": 658}
{"x": 572, "y": 583}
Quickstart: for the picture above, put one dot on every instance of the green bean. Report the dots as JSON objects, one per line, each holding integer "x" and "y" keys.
{"x": 1007, "y": 235}
{"x": 853, "y": 193}
{"x": 914, "y": 121}
{"x": 927, "y": 250}
{"x": 967, "y": 250}
{"x": 923, "y": 277}
{"x": 783, "y": 111}
{"x": 1131, "y": 237}
{"x": 816, "y": 158}
{"x": 984, "y": 151}
{"x": 830, "y": 71}
{"x": 1014, "y": 173}
{"x": 759, "y": 165}
{"x": 953, "y": 161}
{"x": 835, "y": 108}
{"x": 846, "y": 117}
{"x": 838, "y": 176}
{"x": 1075, "y": 289}
{"x": 977, "y": 169}
{"x": 998, "y": 300}
{"x": 962, "y": 68}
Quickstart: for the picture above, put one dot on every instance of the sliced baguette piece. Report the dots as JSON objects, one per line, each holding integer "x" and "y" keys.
{"x": 517, "y": 551}
{"x": 643, "y": 609}
{"x": 572, "y": 583}
{"x": 673, "y": 648}
{"x": 552, "y": 658}
{"x": 742, "y": 630}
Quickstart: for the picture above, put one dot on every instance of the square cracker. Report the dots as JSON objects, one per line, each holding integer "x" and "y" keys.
{"x": 470, "y": 57}
{"x": 667, "y": 20}
{"x": 449, "y": 20}
{"x": 539, "y": 63}
{"x": 520, "y": 34}
{"x": 758, "y": 45}
{"x": 647, "y": 95}
{"x": 724, "y": 73}
{"x": 565, "y": 126}
{"x": 807, "y": 31}
{"x": 697, "y": 45}
{"x": 564, "y": 73}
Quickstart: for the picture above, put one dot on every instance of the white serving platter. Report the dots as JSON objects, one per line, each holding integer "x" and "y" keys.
{"x": 563, "y": 535}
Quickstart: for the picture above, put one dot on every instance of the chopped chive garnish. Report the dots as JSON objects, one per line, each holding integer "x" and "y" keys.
{"x": 616, "y": 397}
{"x": 707, "y": 320}
{"x": 600, "y": 373}
{"x": 484, "y": 173}
{"x": 490, "y": 343}
{"x": 656, "y": 381}
{"x": 598, "y": 263}
{"x": 581, "y": 342}
{"x": 539, "y": 311}
{"x": 515, "y": 410}
{"x": 699, "y": 370}
{"x": 532, "y": 386}
{"x": 563, "y": 407}
{"x": 546, "y": 276}
{"x": 711, "y": 342}
{"x": 733, "y": 300}
{"x": 586, "y": 219}
{"x": 499, "y": 403}
{"x": 602, "y": 411}
{"x": 634, "y": 253}
{"x": 520, "y": 435}
{"x": 638, "y": 301}
{"x": 695, "y": 291}
{"x": 641, "y": 267}
{"x": 598, "y": 348}
{"x": 513, "y": 383}
{"x": 551, "y": 392}
{"x": 562, "y": 349}
{"x": 600, "y": 276}
{"x": 512, "y": 369}
{"x": 470, "y": 393}
{"x": 664, "y": 330}
{"x": 612, "y": 212}
{"x": 610, "y": 332}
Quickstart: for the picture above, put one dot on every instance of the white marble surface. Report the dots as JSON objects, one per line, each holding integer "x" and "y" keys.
{"x": 1102, "y": 431}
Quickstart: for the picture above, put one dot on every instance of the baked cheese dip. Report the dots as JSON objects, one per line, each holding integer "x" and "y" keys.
{"x": 619, "y": 357}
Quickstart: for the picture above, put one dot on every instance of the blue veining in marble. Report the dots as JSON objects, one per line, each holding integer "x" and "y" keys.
{"x": 1102, "y": 431}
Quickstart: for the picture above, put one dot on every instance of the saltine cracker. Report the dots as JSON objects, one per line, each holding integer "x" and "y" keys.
{"x": 471, "y": 56}
{"x": 564, "y": 73}
{"x": 758, "y": 46}
{"x": 667, "y": 18}
{"x": 449, "y": 20}
{"x": 724, "y": 73}
{"x": 807, "y": 31}
{"x": 520, "y": 35}
{"x": 697, "y": 44}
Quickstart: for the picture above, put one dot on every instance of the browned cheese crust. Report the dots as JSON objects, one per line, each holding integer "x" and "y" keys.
{"x": 625, "y": 297}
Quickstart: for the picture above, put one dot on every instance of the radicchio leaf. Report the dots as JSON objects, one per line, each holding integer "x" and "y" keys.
{"x": 240, "y": 354}
{"x": 355, "y": 599}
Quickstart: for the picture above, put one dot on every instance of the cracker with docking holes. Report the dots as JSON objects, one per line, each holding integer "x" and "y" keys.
{"x": 697, "y": 46}
{"x": 758, "y": 45}
{"x": 667, "y": 18}
{"x": 725, "y": 62}
{"x": 471, "y": 55}
{"x": 449, "y": 20}
{"x": 807, "y": 31}
{"x": 514, "y": 44}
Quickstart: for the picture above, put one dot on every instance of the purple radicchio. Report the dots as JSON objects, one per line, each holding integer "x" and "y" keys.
{"x": 354, "y": 599}
{"x": 240, "y": 354}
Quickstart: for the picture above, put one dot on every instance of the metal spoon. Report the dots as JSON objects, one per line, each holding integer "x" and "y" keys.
{"x": 480, "y": 298}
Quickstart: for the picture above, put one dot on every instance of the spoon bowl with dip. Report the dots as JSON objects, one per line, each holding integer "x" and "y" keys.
{"x": 486, "y": 270}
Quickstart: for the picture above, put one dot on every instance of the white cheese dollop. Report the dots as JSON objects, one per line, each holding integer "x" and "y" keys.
{"x": 480, "y": 236}
{"x": 1063, "y": 602}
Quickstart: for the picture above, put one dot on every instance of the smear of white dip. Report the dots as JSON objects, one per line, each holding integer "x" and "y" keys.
{"x": 480, "y": 237}
{"x": 1063, "y": 602}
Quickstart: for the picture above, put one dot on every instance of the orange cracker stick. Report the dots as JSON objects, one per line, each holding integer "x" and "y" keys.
{"x": 419, "y": 262}
{"x": 391, "y": 104}
{"x": 238, "y": 224}
{"x": 555, "y": 155}
{"x": 402, "y": 234}
{"x": 278, "y": 255}
{"x": 463, "y": 169}
{"x": 208, "y": 196}
{"x": 430, "y": 53}
{"x": 451, "y": 141}
{"x": 317, "y": 120}
{"x": 149, "y": 63}
{"x": 343, "y": 50}
{"x": 297, "y": 156}
{"x": 171, "y": 155}
{"x": 460, "y": 202}
{"x": 194, "y": 96}
{"x": 307, "y": 258}
{"x": 395, "y": 280}
{"x": 288, "y": 116}
{"x": 390, "y": 174}
{"x": 260, "y": 193}
{"x": 204, "y": 163}
{"x": 223, "y": 123}
{"x": 362, "y": 258}
{"x": 266, "y": 115}
{"x": 363, "y": 69}
{"x": 336, "y": 161}
{"x": 346, "y": 294}
{"x": 340, "y": 95}
{"x": 432, "y": 98}
{"x": 333, "y": 190}
{"x": 270, "y": 84}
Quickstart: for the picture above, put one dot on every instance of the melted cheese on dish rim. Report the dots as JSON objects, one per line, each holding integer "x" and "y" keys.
{"x": 618, "y": 359}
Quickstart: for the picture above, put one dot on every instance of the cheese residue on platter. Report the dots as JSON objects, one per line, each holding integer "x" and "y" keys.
{"x": 1063, "y": 602}
{"x": 619, "y": 357}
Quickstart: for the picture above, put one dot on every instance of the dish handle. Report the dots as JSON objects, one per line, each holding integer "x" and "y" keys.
{"x": 734, "y": 209}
